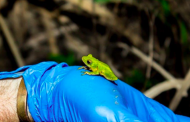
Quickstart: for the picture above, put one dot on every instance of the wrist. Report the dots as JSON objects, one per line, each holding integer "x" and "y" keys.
{"x": 8, "y": 99}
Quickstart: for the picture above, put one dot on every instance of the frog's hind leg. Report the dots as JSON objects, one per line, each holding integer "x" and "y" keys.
{"x": 111, "y": 78}
{"x": 103, "y": 73}
{"x": 114, "y": 78}
{"x": 91, "y": 73}
{"x": 83, "y": 67}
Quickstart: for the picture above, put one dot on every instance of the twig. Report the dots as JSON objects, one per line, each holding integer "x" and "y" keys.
{"x": 100, "y": 10}
{"x": 47, "y": 22}
{"x": 105, "y": 17}
{"x": 72, "y": 42}
{"x": 0, "y": 40}
{"x": 181, "y": 85}
{"x": 95, "y": 34}
{"x": 103, "y": 40}
{"x": 116, "y": 7}
{"x": 161, "y": 87}
{"x": 181, "y": 92}
{"x": 146, "y": 59}
{"x": 11, "y": 42}
{"x": 2, "y": 3}
{"x": 36, "y": 40}
{"x": 151, "y": 52}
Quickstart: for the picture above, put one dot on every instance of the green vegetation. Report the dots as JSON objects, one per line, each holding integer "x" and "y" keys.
{"x": 69, "y": 58}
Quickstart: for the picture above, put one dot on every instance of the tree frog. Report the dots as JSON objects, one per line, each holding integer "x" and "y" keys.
{"x": 97, "y": 67}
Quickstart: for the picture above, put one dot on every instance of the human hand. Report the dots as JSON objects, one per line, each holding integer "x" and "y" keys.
{"x": 61, "y": 93}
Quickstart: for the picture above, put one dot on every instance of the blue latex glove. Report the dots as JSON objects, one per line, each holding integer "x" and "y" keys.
{"x": 58, "y": 92}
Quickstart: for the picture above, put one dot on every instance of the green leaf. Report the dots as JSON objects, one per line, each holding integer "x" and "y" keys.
{"x": 183, "y": 32}
{"x": 165, "y": 6}
{"x": 102, "y": 1}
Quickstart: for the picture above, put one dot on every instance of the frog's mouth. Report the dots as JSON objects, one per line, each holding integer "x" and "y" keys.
{"x": 83, "y": 59}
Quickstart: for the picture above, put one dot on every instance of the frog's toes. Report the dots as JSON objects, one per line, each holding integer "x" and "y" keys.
{"x": 83, "y": 73}
{"x": 83, "y": 67}
{"x": 79, "y": 68}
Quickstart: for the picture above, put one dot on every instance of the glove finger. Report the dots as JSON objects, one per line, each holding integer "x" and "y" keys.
{"x": 143, "y": 107}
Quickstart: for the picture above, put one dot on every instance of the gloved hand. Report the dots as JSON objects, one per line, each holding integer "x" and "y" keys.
{"x": 58, "y": 92}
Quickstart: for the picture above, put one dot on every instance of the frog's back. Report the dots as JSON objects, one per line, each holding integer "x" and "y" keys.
{"x": 106, "y": 71}
{"x": 104, "y": 66}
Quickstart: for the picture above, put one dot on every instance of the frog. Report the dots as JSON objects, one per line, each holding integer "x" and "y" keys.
{"x": 97, "y": 68}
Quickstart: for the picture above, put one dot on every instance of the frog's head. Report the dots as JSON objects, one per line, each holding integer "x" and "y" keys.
{"x": 90, "y": 61}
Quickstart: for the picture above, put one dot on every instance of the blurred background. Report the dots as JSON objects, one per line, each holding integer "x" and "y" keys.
{"x": 145, "y": 43}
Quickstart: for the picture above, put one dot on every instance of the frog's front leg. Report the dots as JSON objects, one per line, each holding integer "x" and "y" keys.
{"x": 83, "y": 67}
{"x": 91, "y": 73}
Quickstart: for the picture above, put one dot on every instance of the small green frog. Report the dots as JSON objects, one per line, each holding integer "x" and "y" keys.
{"x": 97, "y": 67}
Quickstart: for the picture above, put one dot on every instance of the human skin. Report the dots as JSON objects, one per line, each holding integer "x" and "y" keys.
{"x": 8, "y": 100}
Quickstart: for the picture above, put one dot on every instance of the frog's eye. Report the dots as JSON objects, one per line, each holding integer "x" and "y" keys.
{"x": 89, "y": 61}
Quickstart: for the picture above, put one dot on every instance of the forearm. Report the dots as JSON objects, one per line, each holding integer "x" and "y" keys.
{"x": 8, "y": 99}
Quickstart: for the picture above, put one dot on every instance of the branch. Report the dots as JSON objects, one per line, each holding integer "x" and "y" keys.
{"x": 1, "y": 43}
{"x": 181, "y": 92}
{"x": 11, "y": 42}
{"x": 3, "y": 3}
{"x": 182, "y": 87}
{"x": 161, "y": 87}
{"x": 146, "y": 59}
{"x": 151, "y": 47}
{"x": 86, "y": 5}
{"x": 104, "y": 17}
